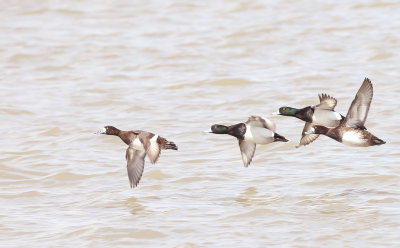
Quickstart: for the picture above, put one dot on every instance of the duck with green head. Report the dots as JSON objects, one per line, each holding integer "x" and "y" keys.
{"x": 321, "y": 114}
{"x": 256, "y": 130}
{"x": 351, "y": 130}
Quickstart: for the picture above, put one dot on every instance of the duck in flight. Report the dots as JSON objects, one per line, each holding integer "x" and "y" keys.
{"x": 351, "y": 130}
{"x": 140, "y": 143}
{"x": 256, "y": 130}
{"x": 321, "y": 114}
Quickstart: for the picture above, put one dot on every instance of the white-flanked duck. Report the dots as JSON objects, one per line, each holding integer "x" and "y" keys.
{"x": 321, "y": 114}
{"x": 352, "y": 131}
{"x": 139, "y": 144}
{"x": 256, "y": 130}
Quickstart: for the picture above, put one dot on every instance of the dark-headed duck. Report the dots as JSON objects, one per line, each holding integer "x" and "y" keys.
{"x": 255, "y": 130}
{"x": 139, "y": 144}
{"x": 352, "y": 131}
{"x": 321, "y": 114}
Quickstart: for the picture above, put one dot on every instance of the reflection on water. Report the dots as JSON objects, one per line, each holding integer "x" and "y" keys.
{"x": 175, "y": 68}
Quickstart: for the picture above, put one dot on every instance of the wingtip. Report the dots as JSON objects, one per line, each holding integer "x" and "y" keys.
{"x": 367, "y": 81}
{"x": 367, "y": 85}
{"x": 133, "y": 185}
{"x": 325, "y": 96}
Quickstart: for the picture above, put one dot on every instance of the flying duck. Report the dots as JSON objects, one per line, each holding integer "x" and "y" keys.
{"x": 321, "y": 114}
{"x": 139, "y": 144}
{"x": 352, "y": 131}
{"x": 256, "y": 130}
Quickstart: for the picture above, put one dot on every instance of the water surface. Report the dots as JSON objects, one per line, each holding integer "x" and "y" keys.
{"x": 175, "y": 68}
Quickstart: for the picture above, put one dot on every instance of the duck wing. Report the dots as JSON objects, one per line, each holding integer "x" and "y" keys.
{"x": 307, "y": 138}
{"x": 258, "y": 121}
{"x": 151, "y": 146}
{"x": 247, "y": 150}
{"x": 134, "y": 165}
{"x": 326, "y": 102}
{"x": 359, "y": 108}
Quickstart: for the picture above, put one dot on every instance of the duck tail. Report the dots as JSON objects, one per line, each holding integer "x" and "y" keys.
{"x": 165, "y": 144}
{"x": 171, "y": 145}
{"x": 278, "y": 137}
{"x": 377, "y": 141}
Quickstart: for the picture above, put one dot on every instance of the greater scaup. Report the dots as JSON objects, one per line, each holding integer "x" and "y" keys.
{"x": 321, "y": 114}
{"x": 255, "y": 130}
{"x": 139, "y": 144}
{"x": 352, "y": 131}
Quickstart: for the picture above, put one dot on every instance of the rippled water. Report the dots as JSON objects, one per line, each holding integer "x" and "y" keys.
{"x": 174, "y": 68}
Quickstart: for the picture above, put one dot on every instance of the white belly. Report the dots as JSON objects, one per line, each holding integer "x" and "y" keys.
{"x": 353, "y": 138}
{"x": 137, "y": 145}
{"x": 258, "y": 135}
{"x": 153, "y": 141}
{"x": 326, "y": 118}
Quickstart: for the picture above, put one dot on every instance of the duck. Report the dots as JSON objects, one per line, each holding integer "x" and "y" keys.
{"x": 140, "y": 143}
{"x": 322, "y": 114}
{"x": 256, "y": 130}
{"x": 351, "y": 130}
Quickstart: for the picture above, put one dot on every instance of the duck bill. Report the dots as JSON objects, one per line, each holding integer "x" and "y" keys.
{"x": 207, "y": 131}
{"x": 276, "y": 113}
{"x": 101, "y": 131}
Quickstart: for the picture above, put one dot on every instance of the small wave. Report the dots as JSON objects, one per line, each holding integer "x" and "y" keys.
{"x": 157, "y": 174}
{"x": 253, "y": 213}
{"x": 353, "y": 180}
{"x": 190, "y": 179}
{"x": 27, "y": 194}
{"x": 67, "y": 176}
{"x": 148, "y": 234}
{"x": 55, "y": 131}
{"x": 384, "y": 200}
{"x": 13, "y": 111}
{"x": 230, "y": 82}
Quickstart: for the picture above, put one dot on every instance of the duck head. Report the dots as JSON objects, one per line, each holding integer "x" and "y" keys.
{"x": 286, "y": 111}
{"x": 109, "y": 130}
{"x": 218, "y": 129}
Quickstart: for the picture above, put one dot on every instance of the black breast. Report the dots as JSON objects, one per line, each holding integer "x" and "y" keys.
{"x": 237, "y": 130}
{"x": 305, "y": 114}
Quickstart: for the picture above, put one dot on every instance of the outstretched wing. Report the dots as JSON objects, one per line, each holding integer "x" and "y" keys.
{"x": 258, "y": 121}
{"x": 247, "y": 150}
{"x": 326, "y": 102}
{"x": 134, "y": 165}
{"x": 359, "y": 108}
{"x": 307, "y": 138}
{"x": 151, "y": 146}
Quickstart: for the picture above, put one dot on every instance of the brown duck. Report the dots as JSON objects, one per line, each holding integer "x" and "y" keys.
{"x": 139, "y": 144}
{"x": 351, "y": 130}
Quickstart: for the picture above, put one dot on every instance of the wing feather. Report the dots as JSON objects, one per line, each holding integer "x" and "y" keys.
{"x": 307, "y": 138}
{"x": 359, "y": 108}
{"x": 326, "y": 102}
{"x": 134, "y": 165}
{"x": 151, "y": 146}
{"x": 247, "y": 150}
{"x": 258, "y": 121}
